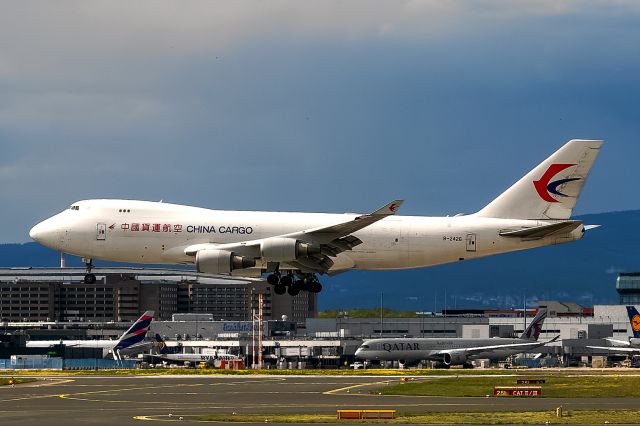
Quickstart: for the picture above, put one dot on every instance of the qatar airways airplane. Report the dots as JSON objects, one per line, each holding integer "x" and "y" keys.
{"x": 293, "y": 248}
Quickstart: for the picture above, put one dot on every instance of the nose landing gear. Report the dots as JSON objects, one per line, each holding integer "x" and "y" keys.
{"x": 89, "y": 278}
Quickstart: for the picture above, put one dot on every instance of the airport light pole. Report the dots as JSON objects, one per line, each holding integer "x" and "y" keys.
{"x": 260, "y": 301}
{"x": 253, "y": 338}
{"x": 381, "y": 313}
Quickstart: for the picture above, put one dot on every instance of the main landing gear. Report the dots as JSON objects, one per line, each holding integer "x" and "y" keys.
{"x": 290, "y": 284}
{"x": 89, "y": 278}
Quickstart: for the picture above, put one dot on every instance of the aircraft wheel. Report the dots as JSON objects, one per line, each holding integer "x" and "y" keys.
{"x": 280, "y": 289}
{"x": 273, "y": 279}
{"x": 286, "y": 280}
{"x": 301, "y": 284}
{"x": 89, "y": 279}
{"x": 293, "y": 290}
{"x": 315, "y": 287}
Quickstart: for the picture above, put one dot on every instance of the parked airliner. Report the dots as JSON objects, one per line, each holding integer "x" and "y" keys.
{"x": 293, "y": 248}
{"x": 631, "y": 346}
{"x": 130, "y": 342}
{"x": 452, "y": 351}
{"x": 166, "y": 354}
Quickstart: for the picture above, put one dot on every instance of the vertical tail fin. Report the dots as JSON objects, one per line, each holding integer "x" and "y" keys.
{"x": 535, "y": 328}
{"x": 550, "y": 190}
{"x": 162, "y": 345}
{"x": 634, "y": 319}
{"x": 136, "y": 333}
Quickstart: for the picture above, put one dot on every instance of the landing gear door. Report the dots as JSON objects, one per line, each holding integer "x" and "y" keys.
{"x": 101, "y": 232}
{"x": 471, "y": 242}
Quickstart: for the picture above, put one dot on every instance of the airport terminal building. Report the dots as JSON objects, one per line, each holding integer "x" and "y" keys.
{"x": 121, "y": 294}
{"x": 199, "y": 312}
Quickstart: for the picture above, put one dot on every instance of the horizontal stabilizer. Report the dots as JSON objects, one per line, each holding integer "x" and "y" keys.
{"x": 544, "y": 230}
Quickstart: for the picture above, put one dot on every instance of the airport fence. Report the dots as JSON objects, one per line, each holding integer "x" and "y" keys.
{"x": 65, "y": 364}
{"x": 31, "y": 364}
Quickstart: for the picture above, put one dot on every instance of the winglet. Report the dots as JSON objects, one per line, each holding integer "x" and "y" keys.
{"x": 588, "y": 227}
{"x": 389, "y": 209}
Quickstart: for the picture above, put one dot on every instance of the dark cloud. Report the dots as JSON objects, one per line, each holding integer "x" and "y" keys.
{"x": 329, "y": 107}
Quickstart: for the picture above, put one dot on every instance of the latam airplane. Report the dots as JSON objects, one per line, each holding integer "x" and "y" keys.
{"x": 453, "y": 350}
{"x": 130, "y": 341}
{"x": 293, "y": 248}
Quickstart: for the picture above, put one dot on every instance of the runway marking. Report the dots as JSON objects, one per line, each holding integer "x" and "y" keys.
{"x": 77, "y": 395}
{"x": 180, "y": 418}
{"x": 38, "y": 384}
{"x": 346, "y": 388}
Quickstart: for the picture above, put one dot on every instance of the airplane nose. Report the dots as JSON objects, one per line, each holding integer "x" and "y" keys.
{"x": 35, "y": 232}
{"x": 47, "y": 233}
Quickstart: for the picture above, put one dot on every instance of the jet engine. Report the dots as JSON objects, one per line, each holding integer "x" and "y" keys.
{"x": 454, "y": 358}
{"x": 282, "y": 249}
{"x": 221, "y": 261}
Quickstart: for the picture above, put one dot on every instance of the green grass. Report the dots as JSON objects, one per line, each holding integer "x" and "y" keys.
{"x": 600, "y": 386}
{"x": 581, "y": 417}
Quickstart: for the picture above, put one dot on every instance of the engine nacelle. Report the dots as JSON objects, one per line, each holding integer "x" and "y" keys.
{"x": 454, "y": 358}
{"x": 281, "y": 249}
{"x": 221, "y": 261}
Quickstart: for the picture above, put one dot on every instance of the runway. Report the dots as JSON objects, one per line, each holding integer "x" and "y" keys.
{"x": 153, "y": 400}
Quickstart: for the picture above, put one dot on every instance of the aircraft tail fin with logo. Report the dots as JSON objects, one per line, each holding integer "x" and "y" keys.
{"x": 136, "y": 333}
{"x": 535, "y": 328}
{"x": 551, "y": 189}
{"x": 162, "y": 345}
{"x": 634, "y": 320}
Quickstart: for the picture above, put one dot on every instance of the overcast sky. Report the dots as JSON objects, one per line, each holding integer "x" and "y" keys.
{"x": 310, "y": 105}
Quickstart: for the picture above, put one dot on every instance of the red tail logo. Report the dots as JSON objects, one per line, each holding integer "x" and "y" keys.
{"x": 545, "y": 187}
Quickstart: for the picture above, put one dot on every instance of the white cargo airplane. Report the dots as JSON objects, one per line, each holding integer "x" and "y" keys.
{"x": 533, "y": 212}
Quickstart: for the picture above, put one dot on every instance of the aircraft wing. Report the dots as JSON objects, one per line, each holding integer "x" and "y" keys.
{"x": 329, "y": 234}
{"x": 617, "y": 342}
{"x": 332, "y": 240}
{"x": 616, "y": 349}
{"x": 523, "y": 346}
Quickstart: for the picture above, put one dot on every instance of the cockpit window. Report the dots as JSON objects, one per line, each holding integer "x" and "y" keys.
{"x": 75, "y": 207}
{"x": 364, "y": 347}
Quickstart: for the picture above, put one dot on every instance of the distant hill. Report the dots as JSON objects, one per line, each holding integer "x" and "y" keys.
{"x": 584, "y": 272}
